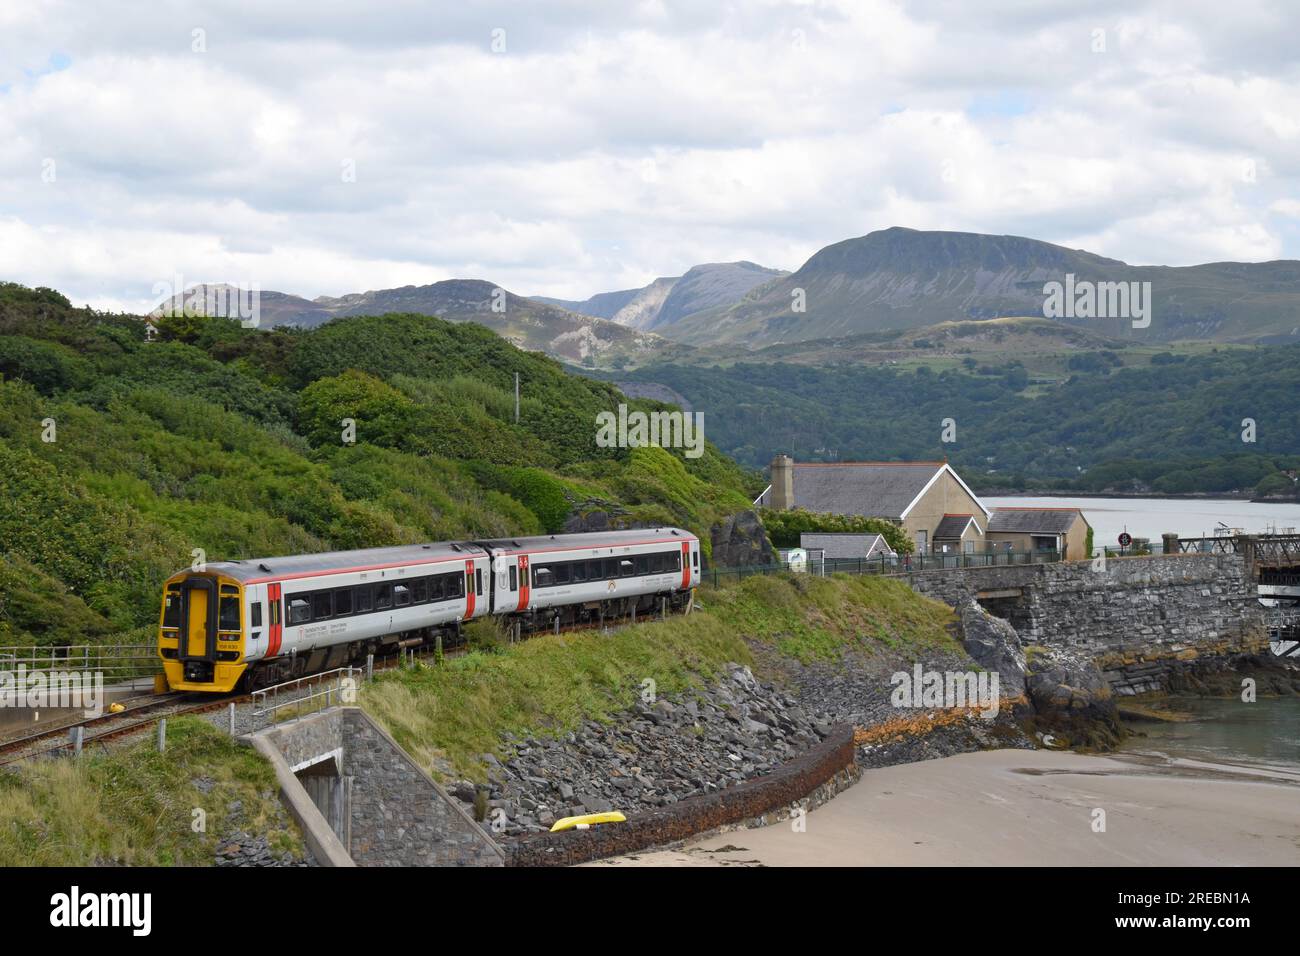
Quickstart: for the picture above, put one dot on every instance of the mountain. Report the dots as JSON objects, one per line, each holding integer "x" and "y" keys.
{"x": 904, "y": 278}
{"x": 667, "y": 300}
{"x": 528, "y": 323}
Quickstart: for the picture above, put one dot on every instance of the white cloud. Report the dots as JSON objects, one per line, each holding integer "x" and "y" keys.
{"x": 610, "y": 144}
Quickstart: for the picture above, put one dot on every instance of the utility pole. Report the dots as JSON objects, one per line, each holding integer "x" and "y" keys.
{"x": 516, "y": 398}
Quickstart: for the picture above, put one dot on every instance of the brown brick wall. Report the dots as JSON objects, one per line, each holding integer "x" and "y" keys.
{"x": 791, "y": 782}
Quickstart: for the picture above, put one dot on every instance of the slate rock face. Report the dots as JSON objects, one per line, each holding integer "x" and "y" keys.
{"x": 1072, "y": 699}
{"x": 994, "y": 644}
{"x": 740, "y": 541}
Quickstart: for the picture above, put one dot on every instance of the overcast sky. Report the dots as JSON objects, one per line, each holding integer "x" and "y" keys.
{"x": 579, "y": 146}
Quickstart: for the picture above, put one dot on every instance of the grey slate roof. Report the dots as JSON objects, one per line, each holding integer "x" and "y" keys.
{"x": 1033, "y": 520}
{"x": 844, "y": 544}
{"x": 952, "y": 526}
{"x": 872, "y": 489}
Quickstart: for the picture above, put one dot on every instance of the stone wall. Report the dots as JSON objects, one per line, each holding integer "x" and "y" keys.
{"x": 1140, "y": 619}
{"x": 399, "y": 816}
{"x": 816, "y": 774}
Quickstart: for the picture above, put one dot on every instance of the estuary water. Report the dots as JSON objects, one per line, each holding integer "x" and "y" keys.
{"x": 1152, "y": 517}
{"x": 1265, "y": 732}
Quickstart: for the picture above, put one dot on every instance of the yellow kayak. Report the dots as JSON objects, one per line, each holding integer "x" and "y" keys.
{"x": 581, "y": 823}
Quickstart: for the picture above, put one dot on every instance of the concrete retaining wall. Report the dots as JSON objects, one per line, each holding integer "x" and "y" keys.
{"x": 819, "y": 773}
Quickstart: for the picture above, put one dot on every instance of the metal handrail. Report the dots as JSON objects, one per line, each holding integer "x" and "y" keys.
{"x": 265, "y": 712}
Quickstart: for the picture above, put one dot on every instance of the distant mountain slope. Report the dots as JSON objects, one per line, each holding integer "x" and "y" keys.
{"x": 528, "y": 323}
{"x": 903, "y": 278}
{"x": 710, "y": 286}
{"x": 667, "y": 300}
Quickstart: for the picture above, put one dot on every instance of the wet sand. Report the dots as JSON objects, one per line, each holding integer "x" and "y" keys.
{"x": 1016, "y": 807}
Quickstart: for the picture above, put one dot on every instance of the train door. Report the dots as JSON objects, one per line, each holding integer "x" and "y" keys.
{"x": 197, "y": 634}
{"x": 523, "y": 583}
{"x": 470, "y": 589}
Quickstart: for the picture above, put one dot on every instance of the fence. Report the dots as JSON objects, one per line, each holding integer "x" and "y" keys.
{"x": 117, "y": 662}
{"x": 306, "y": 695}
{"x": 890, "y": 564}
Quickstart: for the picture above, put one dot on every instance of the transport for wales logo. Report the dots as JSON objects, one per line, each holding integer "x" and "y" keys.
{"x": 47, "y": 690}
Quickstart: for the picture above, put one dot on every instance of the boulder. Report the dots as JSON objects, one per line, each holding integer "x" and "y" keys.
{"x": 739, "y": 541}
{"x": 994, "y": 644}
{"x": 1072, "y": 700}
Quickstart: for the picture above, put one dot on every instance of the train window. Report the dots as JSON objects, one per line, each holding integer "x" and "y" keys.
{"x": 677, "y": 561}
{"x": 228, "y": 617}
{"x": 579, "y": 571}
{"x": 642, "y": 563}
{"x": 383, "y": 596}
{"x": 363, "y": 599}
{"x": 562, "y": 572}
{"x": 172, "y": 608}
{"x": 342, "y": 602}
{"x": 256, "y": 611}
{"x": 626, "y": 568}
{"x": 542, "y": 577}
{"x": 275, "y": 613}
{"x": 321, "y": 605}
{"x": 420, "y": 590}
{"x": 695, "y": 559}
{"x": 478, "y": 581}
{"x": 299, "y": 609}
{"x": 401, "y": 595}
{"x": 514, "y": 582}
{"x": 457, "y": 585}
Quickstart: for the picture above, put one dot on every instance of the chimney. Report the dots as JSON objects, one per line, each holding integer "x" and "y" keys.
{"x": 782, "y": 483}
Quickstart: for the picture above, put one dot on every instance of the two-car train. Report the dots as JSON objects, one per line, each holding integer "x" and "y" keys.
{"x": 256, "y": 622}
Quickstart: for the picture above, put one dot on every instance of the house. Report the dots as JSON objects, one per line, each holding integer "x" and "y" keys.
{"x": 1064, "y": 530}
{"x": 845, "y": 545}
{"x": 931, "y": 502}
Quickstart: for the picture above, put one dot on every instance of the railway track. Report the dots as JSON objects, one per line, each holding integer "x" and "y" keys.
{"x": 136, "y": 719}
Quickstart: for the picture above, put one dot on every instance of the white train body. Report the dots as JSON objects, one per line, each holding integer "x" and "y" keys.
{"x": 274, "y": 618}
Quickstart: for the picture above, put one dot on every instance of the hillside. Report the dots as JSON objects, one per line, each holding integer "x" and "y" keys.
{"x": 904, "y": 278}
{"x": 229, "y": 440}
{"x": 666, "y": 301}
{"x": 1169, "y": 422}
{"x": 528, "y": 323}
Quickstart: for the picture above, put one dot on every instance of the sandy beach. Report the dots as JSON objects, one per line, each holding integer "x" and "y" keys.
{"x": 1015, "y": 807}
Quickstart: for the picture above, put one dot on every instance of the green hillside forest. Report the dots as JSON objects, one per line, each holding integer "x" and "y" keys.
{"x": 1173, "y": 425}
{"x": 122, "y": 460}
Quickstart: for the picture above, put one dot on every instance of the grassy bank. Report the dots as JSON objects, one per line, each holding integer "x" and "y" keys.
{"x": 449, "y": 715}
{"x": 134, "y": 806}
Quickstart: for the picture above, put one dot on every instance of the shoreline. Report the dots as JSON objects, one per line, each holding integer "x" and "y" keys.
{"x": 1018, "y": 808}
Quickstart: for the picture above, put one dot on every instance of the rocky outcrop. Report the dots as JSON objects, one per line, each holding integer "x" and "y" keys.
{"x": 739, "y": 541}
{"x": 1072, "y": 700}
{"x": 994, "y": 644}
{"x": 653, "y": 756}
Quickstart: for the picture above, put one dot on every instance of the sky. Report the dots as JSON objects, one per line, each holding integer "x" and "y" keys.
{"x": 569, "y": 147}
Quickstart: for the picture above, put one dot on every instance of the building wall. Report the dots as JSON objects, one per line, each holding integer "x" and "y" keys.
{"x": 946, "y": 496}
{"x": 1075, "y": 543}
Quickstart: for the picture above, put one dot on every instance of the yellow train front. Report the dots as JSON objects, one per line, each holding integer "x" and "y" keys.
{"x": 201, "y": 631}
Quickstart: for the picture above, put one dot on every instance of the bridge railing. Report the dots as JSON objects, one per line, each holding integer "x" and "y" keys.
{"x": 305, "y": 695}
{"x": 887, "y": 564}
{"x": 117, "y": 662}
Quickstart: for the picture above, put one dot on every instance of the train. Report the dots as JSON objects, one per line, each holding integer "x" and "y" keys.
{"x": 249, "y": 624}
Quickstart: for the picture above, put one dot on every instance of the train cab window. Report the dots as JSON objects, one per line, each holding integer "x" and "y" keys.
{"x": 228, "y": 614}
{"x": 363, "y": 599}
{"x": 478, "y": 581}
{"x": 401, "y": 595}
{"x": 695, "y": 560}
{"x": 514, "y": 580}
{"x": 626, "y": 568}
{"x": 256, "y": 612}
{"x": 342, "y": 602}
{"x": 383, "y": 596}
{"x": 172, "y": 608}
{"x": 299, "y": 609}
{"x": 420, "y": 590}
{"x": 321, "y": 605}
